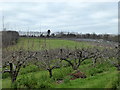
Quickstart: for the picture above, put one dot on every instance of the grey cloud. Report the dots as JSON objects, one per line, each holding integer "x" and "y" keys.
{"x": 63, "y": 16}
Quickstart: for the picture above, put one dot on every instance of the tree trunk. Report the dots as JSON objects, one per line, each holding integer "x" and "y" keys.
{"x": 50, "y": 72}
{"x": 13, "y": 73}
{"x": 14, "y": 78}
{"x": 94, "y": 62}
{"x": 75, "y": 67}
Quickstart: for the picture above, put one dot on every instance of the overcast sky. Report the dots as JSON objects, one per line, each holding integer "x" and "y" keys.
{"x": 98, "y": 17}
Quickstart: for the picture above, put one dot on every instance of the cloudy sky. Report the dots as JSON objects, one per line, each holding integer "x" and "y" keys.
{"x": 82, "y": 17}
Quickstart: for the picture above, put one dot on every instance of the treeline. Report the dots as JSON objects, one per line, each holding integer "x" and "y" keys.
{"x": 9, "y": 38}
{"x": 108, "y": 37}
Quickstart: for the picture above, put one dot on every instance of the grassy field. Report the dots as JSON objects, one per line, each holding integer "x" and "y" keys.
{"x": 103, "y": 75}
{"x": 35, "y": 44}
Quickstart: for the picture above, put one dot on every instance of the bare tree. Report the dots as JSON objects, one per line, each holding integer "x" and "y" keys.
{"x": 15, "y": 60}
{"x": 112, "y": 55}
{"x": 48, "y": 60}
{"x": 77, "y": 56}
{"x": 48, "y": 33}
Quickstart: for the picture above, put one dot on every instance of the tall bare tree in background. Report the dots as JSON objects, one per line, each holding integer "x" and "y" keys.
{"x": 48, "y": 33}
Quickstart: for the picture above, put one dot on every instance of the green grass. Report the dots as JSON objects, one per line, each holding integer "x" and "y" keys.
{"x": 108, "y": 78}
{"x": 104, "y": 80}
{"x": 35, "y": 44}
{"x": 37, "y": 78}
{"x": 6, "y": 83}
{"x": 102, "y": 76}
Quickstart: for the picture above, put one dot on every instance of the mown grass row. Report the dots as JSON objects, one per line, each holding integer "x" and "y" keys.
{"x": 36, "y": 44}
